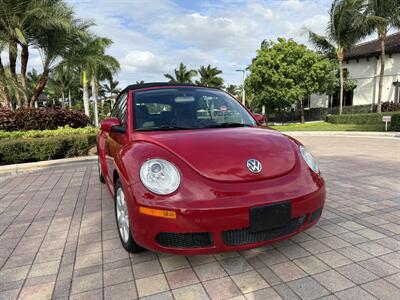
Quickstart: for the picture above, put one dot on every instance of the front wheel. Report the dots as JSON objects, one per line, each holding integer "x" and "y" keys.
{"x": 123, "y": 222}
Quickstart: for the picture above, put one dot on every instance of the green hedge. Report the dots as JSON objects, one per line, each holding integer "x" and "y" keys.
{"x": 371, "y": 118}
{"x": 37, "y": 149}
{"x": 66, "y": 130}
{"x": 395, "y": 123}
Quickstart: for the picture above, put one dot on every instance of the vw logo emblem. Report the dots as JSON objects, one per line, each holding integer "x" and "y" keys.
{"x": 254, "y": 166}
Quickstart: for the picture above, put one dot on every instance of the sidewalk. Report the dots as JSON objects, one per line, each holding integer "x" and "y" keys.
{"x": 19, "y": 168}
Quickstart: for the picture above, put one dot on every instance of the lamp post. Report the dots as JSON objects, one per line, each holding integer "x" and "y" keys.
{"x": 243, "y": 91}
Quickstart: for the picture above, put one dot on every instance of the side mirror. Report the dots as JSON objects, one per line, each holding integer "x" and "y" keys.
{"x": 109, "y": 123}
{"x": 260, "y": 119}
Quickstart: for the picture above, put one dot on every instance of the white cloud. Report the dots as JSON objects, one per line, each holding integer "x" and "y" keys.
{"x": 144, "y": 62}
{"x": 151, "y": 38}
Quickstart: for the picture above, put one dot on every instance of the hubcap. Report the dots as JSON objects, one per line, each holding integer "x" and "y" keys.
{"x": 122, "y": 215}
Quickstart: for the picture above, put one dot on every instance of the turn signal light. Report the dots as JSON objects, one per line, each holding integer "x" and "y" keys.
{"x": 157, "y": 212}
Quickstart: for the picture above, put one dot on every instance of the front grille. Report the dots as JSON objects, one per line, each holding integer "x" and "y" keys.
{"x": 315, "y": 214}
{"x": 244, "y": 236}
{"x": 184, "y": 240}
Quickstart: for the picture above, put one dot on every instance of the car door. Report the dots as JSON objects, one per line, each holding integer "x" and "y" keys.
{"x": 116, "y": 138}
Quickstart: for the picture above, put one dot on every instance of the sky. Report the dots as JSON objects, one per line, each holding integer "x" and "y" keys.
{"x": 151, "y": 37}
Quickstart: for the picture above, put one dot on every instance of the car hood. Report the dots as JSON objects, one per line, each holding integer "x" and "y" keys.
{"x": 221, "y": 154}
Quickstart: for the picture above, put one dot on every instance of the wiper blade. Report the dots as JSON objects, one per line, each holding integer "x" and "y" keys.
{"x": 226, "y": 125}
{"x": 164, "y": 127}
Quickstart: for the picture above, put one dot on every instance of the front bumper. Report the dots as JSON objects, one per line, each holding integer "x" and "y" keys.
{"x": 213, "y": 230}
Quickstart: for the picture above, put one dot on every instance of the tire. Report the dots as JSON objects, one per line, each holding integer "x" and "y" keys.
{"x": 123, "y": 222}
{"x": 101, "y": 177}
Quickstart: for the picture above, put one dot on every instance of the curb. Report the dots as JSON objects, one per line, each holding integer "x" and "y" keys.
{"x": 18, "y": 168}
{"x": 382, "y": 135}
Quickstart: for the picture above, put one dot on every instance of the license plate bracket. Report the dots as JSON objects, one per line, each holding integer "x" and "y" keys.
{"x": 268, "y": 217}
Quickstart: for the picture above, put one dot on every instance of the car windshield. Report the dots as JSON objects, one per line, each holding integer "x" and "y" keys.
{"x": 187, "y": 108}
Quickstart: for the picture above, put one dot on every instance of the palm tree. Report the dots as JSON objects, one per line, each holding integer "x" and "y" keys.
{"x": 112, "y": 86}
{"x": 94, "y": 64}
{"x": 182, "y": 75}
{"x": 232, "y": 89}
{"x": 346, "y": 27}
{"x": 387, "y": 15}
{"x": 139, "y": 81}
{"x": 61, "y": 80}
{"x": 20, "y": 22}
{"x": 56, "y": 43}
{"x": 209, "y": 77}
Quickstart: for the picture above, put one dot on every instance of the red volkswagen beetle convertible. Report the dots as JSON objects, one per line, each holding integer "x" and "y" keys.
{"x": 193, "y": 172}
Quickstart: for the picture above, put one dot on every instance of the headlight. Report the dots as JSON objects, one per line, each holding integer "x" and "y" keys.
{"x": 160, "y": 176}
{"x": 310, "y": 160}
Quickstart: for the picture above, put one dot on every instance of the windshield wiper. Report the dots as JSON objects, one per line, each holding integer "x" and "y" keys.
{"x": 226, "y": 125}
{"x": 164, "y": 127}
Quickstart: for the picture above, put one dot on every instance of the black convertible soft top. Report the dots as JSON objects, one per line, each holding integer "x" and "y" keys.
{"x": 156, "y": 84}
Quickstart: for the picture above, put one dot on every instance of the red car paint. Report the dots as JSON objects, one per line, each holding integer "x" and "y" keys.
{"x": 216, "y": 190}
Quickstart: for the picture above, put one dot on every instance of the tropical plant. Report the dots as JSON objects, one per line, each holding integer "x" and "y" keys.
{"x": 21, "y": 23}
{"x": 285, "y": 73}
{"x": 139, "y": 81}
{"x": 233, "y": 89}
{"x": 112, "y": 86}
{"x": 387, "y": 15}
{"x": 346, "y": 27}
{"x": 94, "y": 64}
{"x": 209, "y": 77}
{"x": 54, "y": 45}
{"x": 182, "y": 75}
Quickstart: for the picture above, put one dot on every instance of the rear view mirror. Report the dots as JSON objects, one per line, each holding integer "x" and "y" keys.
{"x": 184, "y": 99}
{"x": 260, "y": 119}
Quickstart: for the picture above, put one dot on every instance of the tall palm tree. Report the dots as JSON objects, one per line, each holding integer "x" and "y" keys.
{"x": 61, "y": 80}
{"x": 347, "y": 26}
{"x": 56, "y": 43}
{"x": 5, "y": 92}
{"x": 209, "y": 77}
{"x": 182, "y": 75}
{"x": 94, "y": 64}
{"x": 387, "y": 15}
{"x": 20, "y": 22}
{"x": 112, "y": 86}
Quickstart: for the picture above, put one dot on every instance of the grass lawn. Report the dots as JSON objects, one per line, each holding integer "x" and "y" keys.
{"x": 324, "y": 126}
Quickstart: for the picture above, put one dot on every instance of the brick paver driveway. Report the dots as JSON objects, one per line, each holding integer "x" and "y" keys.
{"x": 59, "y": 239}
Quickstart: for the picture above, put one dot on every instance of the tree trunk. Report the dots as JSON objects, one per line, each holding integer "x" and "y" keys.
{"x": 69, "y": 99}
{"x": 24, "y": 66}
{"x": 340, "y": 56}
{"x": 12, "y": 57}
{"x": 382, "y": 37}
{"x": 6, "y": 94}
{"x": 62, "y": 98}
{"x": 95, "y": 108}
{"x": 40, "y": 85}
{"x": 301, "y": 111}
{"x": 85, "y": 94}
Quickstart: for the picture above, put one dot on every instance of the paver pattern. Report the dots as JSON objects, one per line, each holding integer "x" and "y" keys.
{"x": 58, "y": 239}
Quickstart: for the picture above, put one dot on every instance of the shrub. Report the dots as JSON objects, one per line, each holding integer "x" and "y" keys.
{"x": 37, "y": 149}
{"x": 390, "y": 106}
{"x": 66, "y": 130}
{"x": 395, "y": 123}
{"x": 371, "y": 118}
{"x": 41, "y": 119}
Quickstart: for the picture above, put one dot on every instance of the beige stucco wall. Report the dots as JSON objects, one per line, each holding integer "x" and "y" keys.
{"x": 366, "y": 74}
